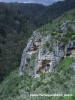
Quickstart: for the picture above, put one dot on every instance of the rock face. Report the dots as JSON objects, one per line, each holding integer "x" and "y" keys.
{"x": 70, "y": 51}
{"x": 43, "y": 53}
{"x": 32, "y": 47}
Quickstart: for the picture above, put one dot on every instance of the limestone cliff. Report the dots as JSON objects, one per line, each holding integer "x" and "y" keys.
{"x": 44, "y": 51}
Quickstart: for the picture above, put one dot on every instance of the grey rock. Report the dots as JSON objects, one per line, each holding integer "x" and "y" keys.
{"x": 46, "y": 59}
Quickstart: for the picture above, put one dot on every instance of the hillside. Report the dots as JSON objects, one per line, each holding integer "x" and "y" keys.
{"x": 16, "y": 26}
{"x": 17, "y": 23}
{"x": 58, "y": 41}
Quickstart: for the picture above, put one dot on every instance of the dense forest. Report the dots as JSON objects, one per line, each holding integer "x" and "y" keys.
{"x": 37, "y": 51}
{"x": 17, "y": 23}
{"x": 61, "y": 81}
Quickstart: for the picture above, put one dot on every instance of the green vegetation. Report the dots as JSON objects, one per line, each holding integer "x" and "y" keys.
{"x": 55, "y": 31}
{"x": 18, "y": 21}
{"x": 16, "y": 87}
{"x": 15, "y": 30}
{"x": 51, "y": 28}
{"x": 16, "y": 27}
{"x": 66, "y": 62}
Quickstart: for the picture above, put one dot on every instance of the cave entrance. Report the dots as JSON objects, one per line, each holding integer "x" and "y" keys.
{"x": 34, "y": 48}
{"x": 71, "y": 52}
{"x": 43, "y": 66}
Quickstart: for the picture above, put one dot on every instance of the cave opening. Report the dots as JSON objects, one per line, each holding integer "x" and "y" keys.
{"x": 71, "y": 52}
{"x": 43, "y": 66}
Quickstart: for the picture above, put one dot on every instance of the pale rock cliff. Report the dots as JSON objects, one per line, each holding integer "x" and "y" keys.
{"x": 42, "y": 54}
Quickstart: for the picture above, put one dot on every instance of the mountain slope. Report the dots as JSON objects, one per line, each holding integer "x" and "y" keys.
{"x": 17, "y": 22}
{"x": 62, "y": 80}
{"x": 16, "y": 26}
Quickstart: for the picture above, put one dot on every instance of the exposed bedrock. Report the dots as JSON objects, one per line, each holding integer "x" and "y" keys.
{"x": 43, "y": 53}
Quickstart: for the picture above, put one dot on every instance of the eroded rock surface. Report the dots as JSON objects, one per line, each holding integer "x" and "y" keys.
{"x": 43, "y": 53}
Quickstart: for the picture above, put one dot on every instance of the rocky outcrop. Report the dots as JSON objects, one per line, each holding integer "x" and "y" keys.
{"x": 70, "y": 49}
{"x": 31, "y": 48}
{"x": 67, "y": 24}
{"x": 48, "y": 51}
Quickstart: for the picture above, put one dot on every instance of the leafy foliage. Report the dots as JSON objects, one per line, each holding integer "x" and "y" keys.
{"x": 17, "y": 88}
{"x": 17, "y": 22}
{"x": 16, "y": 28}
